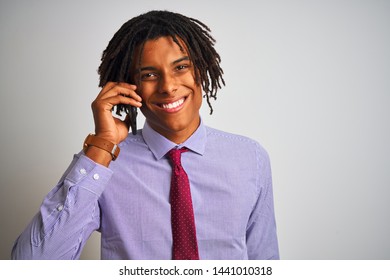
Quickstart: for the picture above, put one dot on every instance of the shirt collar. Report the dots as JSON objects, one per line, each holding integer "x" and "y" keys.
{"x": 160, "y": 146}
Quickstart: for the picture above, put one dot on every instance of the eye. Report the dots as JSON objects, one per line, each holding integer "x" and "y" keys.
{"x": 148, "y": 76}
{"x": 182, "y": 67}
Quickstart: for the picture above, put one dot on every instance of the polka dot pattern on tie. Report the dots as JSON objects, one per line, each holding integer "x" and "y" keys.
{"x": 185, "y": 245}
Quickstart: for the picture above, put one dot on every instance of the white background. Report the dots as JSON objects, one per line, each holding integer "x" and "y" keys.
{"x": 309, "y": 80}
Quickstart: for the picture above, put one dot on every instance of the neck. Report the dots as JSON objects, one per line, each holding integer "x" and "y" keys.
{"x": 177, "y": 136}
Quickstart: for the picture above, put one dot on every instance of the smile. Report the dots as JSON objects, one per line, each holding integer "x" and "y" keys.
{"x": 172, "y": 107}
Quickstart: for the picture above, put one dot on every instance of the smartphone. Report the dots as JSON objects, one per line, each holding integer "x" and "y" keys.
{"x": 131, "y": 111}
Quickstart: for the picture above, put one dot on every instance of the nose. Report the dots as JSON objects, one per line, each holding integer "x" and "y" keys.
{"x": 167, "y": 84}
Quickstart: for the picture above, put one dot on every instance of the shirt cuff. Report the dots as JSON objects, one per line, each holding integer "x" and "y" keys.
{"x": 88, "y": 174}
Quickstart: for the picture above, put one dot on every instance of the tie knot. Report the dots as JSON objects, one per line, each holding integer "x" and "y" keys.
{"x": 175, "y": 155}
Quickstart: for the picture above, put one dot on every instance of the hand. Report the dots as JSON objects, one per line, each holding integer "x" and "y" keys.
{"x": 107, "y": 126}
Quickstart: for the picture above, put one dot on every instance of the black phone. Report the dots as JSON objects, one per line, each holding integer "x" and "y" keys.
{"x": 131, "y": 111}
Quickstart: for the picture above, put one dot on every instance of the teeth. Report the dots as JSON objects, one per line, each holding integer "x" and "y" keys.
{"x": 173, "y": 105}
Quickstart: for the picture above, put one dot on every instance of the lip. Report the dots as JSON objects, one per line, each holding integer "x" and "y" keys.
{"x": 172, "y": 106}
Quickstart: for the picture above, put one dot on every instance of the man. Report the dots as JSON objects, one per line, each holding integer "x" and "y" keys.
{"x": 159, "y": 62}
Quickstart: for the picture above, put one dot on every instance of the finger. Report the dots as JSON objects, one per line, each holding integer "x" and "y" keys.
{"x": 108, "y": 86}
{"x": 117, "y": 89}
{"x": 106, "y": 105}
{"x": 120, "y": 99}
{"x": 126, "y": 85}
{"x": 111, "y": 85}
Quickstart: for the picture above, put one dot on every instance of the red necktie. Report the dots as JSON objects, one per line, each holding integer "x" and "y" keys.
{"x": 185, "y": 245}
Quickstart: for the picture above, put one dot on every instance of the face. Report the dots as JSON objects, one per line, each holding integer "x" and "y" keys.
{"x": 171, "y": 97}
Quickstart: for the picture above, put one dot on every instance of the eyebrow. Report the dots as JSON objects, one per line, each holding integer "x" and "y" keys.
{"x": 148, "y": 68}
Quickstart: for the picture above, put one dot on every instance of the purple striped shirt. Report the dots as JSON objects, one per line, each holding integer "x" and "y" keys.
{"x": 128, "y": 202}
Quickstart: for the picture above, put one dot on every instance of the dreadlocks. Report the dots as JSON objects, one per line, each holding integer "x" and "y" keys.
{"x": 118, "y": 57}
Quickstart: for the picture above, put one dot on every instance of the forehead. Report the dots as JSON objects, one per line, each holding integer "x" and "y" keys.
{"x": 160, "y": 46}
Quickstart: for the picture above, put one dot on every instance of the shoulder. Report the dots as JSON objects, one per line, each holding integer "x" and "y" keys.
{"x": 132, "y": 139}
{"x": 134, "y": 145}
{"x": 235, "y": 143}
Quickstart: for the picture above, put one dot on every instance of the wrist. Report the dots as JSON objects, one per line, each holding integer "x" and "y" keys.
{"x": 100, "y": 150}
{"x": 98, "y": 155}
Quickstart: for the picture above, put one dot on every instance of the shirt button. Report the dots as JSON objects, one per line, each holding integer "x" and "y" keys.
{"x": 60, "y": 207}
{"x": 83, "y": 171}
{"x": 96, "y": 176}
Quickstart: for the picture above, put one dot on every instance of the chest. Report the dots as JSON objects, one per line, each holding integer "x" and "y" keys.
{"x": 136, "y": 201}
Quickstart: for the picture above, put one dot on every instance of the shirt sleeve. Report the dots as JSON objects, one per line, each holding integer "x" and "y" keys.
{"x": 261, "y": 236}
{"x": 68, "y": 214}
